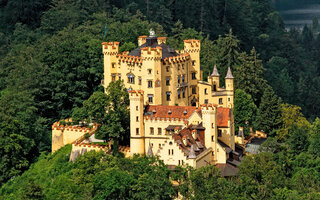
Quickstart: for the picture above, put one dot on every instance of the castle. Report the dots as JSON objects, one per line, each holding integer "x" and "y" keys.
{"x": 173, "y": 114}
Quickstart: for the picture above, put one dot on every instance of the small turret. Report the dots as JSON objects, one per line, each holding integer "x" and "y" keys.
{"x": 229, "y": 74}
{"x": 229, "y": 88}
{"x": 215, "y": 79}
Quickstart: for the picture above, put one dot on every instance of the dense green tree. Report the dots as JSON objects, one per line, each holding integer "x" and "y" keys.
{"x": 244, "y": 110}
{"x": 291, "y": 117}
{"x": 269, "y": 112}
{"x": 298, "y": 140}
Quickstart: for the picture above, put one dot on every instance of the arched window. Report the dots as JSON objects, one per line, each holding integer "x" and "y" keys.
{"x": 131, "y": 78}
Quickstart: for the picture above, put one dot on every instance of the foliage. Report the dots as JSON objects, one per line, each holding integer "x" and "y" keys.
{"x": 291, "y": 117}
{"x": 269, "y": 111}
{"x": 244, "y": 110}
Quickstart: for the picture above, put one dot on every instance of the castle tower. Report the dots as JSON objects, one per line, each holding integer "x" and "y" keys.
{"x": 193, "y": 48}
{"x": 229, "y": 88}
{"x": 110, "y": 50}
{"x": 152, "y": 60}
{"x": 141, "y": 40}
{"x": 136, "y": 122}
{"x": 215, "y": 79}
{"x": 209, "y": 120}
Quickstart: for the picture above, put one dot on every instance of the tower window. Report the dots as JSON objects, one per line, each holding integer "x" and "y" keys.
{"x": 151, "y": 131}
{"x": 212, "y": 138}
{"x": 182, "y": 78}
{"x": 229, "y": 99}
{"x": 212, "y": 125}
{"x": 140, "y": 80}
{"x": 167, "y": 68}
{"x": 219, "y": 133}
{"x": 193, "y": 63}
{"x": 183, "y": 93}
{"x": 172, "y": 151}
{"x": 168, "y": 81}
{"x": 113, "y": 77}
{"x": 193, "y": 76}
{"x": 178, "y": 79}
{"x": 220, "y": 101}
{"x": 194, "y": 90}
{"x": 149, "y": 84}
{"x": 137, "y": 131}
{"x": 178, "y": 94}
{"x": 137, "y": 118}
{"x": 137, "y": 108}
{"x": 206, "y": 91}
{"x": 168, "y": 96}
{"x": 169, "y": 152}
{"x": 214, "y": 87}
{"x": 150, "y": 98}
{"x": 149, "y": 71}
{"x": 206, "y": 101}
{"x": 113, "y": 65}
{"x": 119, "y": 75}
{"x": 131, "y": 78}
{"x": 159, "y": 131}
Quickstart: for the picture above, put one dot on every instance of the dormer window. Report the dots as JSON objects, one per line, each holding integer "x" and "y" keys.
{"x": 185, "y": 112}
{"x": 169, "y": 112}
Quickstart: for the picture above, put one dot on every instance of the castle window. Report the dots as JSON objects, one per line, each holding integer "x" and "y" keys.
{"x": 167, "y": 68}
{"x": 212, "y": 138}
{"x": 178, "y": 67}
{"x": 151, "y": 131}
{"x": 168, "y": 81}
{"x": 182, "y": 66}
{"x": 182, "y": 78}
{"x": 220, "y": 101}
{"x": 149, "y": 71}
{"x": 206, "y": 91}
{"x": 193, "y": 63}
{"x": 159, "y": 145}
{"x": 140, "y": 80}
{"x": 179, "y": 162}
{"x": 183, "y": 93}
{"x": 137, "y": 118}
{"x": 212, "y": 125}
{"x": 113, "y": 65}
{"x": 137, "y": 108}
{"x": 182, "y": 162}
{"x": 206, "y": 101}
{"x": 193, "y": 76}
{"x": 159, "y": 131}
{"x": 229, "y": 99}
{"x": 214, "y": 87}
{"x": 194, "y": 90}
{"x": 137, "y": 131}
{"x": 170, "y": 143}
{"x": 113, "y": 77}
{"x": 178, "y": 79}
{"x": 131, "y": 78}
{"x": 169, "y": 151}
{"x": 149, "y": 84}
{"x": 168, "y": 96}
{"x": 219, "y": 133}
{"x": 178, "y": 94}
{"x": 150, "y": 98}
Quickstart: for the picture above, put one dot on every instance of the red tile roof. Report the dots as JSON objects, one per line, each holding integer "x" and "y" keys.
{"x": 223, "y": 114}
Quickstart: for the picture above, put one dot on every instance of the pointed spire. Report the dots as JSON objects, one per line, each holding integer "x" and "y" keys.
{"x": 192, "y": 153}
{"x": 215, "y": 71}
{"x": 150, "y": 152}
{"x": 229, "y": 74}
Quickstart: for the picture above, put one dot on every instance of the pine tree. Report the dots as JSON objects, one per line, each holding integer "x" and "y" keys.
{"x": 269, "y": 112}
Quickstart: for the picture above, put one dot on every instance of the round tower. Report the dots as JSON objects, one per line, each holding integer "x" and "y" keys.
{"x": 137, "y": 138}
{"x": 229, "y": 87}
{"x": 215, "y": 79}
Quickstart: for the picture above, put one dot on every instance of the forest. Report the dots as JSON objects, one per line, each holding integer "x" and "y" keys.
{"x": 51, "y": 65}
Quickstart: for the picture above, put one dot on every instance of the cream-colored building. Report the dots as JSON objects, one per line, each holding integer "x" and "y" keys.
{"x": 167, "y": 76}
{"x": 182, "y": 135}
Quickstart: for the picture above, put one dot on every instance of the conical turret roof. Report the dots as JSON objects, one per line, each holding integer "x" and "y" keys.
{"x": 215, "y": 71}
{"x": 229, "y": 74}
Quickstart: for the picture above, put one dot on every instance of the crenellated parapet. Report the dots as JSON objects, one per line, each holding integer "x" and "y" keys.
{"x": 177, "y": 59}
{"x": 124, "y": 58}
{"x": 110, "y": 48}
{"x": 149, "y": 53}
{"x": 191, "y": 46}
